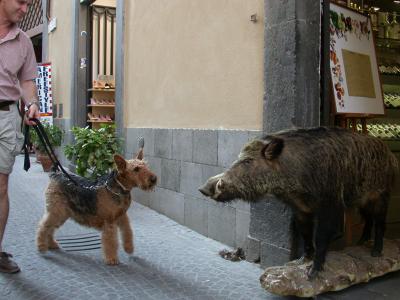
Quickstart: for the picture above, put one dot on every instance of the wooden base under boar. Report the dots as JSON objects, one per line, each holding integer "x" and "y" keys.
{"x": 342, "y": 269}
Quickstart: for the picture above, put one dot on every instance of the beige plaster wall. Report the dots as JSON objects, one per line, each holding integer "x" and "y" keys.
{"x": 193, "y": 64}
{"x": 60, "y": 54}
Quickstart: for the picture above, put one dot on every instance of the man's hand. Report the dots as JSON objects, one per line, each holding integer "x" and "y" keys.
{"x": 31, "y": 102}
{"x": 33, "y": 112}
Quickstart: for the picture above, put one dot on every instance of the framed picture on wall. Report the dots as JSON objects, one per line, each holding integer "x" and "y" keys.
{"x": 353, "y": 66}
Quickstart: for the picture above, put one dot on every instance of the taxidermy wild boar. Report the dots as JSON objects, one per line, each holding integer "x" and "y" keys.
{"x": 319, "y": 172}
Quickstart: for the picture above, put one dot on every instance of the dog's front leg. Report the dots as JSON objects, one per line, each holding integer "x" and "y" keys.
{"x": 126, "y": 233}
{"x": 110, "y": 244}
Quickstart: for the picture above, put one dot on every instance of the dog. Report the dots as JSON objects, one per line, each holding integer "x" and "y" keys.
{"x": 101, "y": 204}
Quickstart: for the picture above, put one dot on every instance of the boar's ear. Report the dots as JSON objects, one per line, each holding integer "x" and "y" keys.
{"x": 120, "y": 162}
{"x": 272, "y": 149}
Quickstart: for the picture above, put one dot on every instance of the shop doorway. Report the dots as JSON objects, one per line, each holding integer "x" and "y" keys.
{"x": 37, "y": 42}
{"x": 102, "y": 24}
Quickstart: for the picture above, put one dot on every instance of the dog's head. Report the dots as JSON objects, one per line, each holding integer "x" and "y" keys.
{"x": 135, "y": 172}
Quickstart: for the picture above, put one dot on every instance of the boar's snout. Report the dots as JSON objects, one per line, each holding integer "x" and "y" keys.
{"x": 214, "y": 188}
{"x": 208, "y": 189}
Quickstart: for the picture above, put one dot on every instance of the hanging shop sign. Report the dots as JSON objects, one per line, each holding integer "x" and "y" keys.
{"x": 43, "y": 83}
{"x": 353, "y": 66}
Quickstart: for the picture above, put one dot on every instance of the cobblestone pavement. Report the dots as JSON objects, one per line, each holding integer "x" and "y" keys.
{"x": 170, "y": 260}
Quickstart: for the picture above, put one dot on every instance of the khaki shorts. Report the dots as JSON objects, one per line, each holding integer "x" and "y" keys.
{"x": 11, "y": 138}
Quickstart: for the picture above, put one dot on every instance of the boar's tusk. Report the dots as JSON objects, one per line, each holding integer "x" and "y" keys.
{"x": 218, "y": 186}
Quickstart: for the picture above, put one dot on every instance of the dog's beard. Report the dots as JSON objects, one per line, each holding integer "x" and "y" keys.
{"x": 148, "y": 187}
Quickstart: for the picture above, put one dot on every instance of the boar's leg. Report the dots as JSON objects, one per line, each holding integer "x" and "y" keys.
{"x": 379, "y": 232}
{"x": 366, "y": 235}
{"x": 305, "y": 225}
{"x": 329, "y": 218}
{"x": 379, "y": 220}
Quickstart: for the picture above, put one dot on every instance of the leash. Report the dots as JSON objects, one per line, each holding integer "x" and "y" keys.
{"x": 44, "y": 139}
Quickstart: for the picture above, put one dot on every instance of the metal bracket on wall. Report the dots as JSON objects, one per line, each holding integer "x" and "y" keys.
{"x": 60, "y": 110}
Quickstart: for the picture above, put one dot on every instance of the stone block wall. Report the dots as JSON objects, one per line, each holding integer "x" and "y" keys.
{"x": 184, "y": 159}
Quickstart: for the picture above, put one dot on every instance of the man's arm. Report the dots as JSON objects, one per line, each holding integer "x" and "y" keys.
{"x": 31, "y": 100}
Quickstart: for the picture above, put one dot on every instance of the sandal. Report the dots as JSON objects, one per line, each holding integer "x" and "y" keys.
{"x": 92, "y": 117}
{"x": 96, "y": 85}
{"x": 7, "y": 265}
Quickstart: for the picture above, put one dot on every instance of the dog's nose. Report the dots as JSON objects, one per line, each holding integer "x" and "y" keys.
{"x": 153, "y": 179}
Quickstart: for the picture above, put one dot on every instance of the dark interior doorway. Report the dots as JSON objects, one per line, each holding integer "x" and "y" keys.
{"x": 37, "y": 46}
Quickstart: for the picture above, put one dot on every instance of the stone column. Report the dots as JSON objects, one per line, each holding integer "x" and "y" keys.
{"x": 119, "y": 69}
{"x": 291, "y": 99}
{"x": 80, "y": 85}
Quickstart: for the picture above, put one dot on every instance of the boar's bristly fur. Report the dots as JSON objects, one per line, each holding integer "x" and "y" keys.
{"x": 318, "y": 172}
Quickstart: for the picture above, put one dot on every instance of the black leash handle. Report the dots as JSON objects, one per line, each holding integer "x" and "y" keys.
{"x": 44, "y": 139}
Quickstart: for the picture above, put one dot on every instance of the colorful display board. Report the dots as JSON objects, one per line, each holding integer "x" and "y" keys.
{"x": 43, "y": 83}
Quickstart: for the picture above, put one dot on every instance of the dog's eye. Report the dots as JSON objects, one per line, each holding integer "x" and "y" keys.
{"x": 136, "y": 169}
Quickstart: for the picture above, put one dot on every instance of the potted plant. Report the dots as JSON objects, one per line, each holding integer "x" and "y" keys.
{"x": 93, "y": 150}
{"x": 55, "y": 135}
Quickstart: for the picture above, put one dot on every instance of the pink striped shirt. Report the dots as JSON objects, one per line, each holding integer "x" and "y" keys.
{"x": 17, "y": 63}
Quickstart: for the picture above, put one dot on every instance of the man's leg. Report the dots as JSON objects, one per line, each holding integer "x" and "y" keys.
{"x": 4, "y": 206}
{"x": 6, "y": 264}
{"x": 9, "y": 147}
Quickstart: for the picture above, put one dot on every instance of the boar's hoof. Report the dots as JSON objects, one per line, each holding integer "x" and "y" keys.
{"x": 361, "y": 242}
{"x": 376, "y": 253}
{"x": 302, "y": 260}
{"x": 312, "y": 273}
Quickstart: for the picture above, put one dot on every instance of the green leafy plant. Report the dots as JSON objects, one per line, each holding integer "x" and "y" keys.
{"x": 93, "y": 150}
{"x": 53, "y": 132}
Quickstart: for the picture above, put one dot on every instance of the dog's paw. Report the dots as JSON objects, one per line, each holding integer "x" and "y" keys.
{"x": 53, "y": 245}
{"x": 111, "y": 261}
{"x": 129, "y": 248}
{"x": 42, "y": 248}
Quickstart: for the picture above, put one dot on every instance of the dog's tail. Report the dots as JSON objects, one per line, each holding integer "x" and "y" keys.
{"x": 141, "y": 142}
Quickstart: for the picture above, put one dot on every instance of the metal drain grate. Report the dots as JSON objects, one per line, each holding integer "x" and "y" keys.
{"x": 71, "y": 243}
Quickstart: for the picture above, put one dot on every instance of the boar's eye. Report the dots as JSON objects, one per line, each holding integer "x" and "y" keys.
{"x": 136, "y": 169}
{"x": 247, "y": 161}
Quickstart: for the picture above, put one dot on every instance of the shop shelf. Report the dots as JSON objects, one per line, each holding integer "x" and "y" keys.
{"x": 101, "y": 90}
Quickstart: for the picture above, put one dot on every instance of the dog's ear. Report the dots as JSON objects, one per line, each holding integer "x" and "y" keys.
{"x": 120, "y": 162}
{"x": 139, "y": 155}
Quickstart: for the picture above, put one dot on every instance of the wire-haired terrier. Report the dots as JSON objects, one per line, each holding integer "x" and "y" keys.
{"x": 101, "y": 204}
